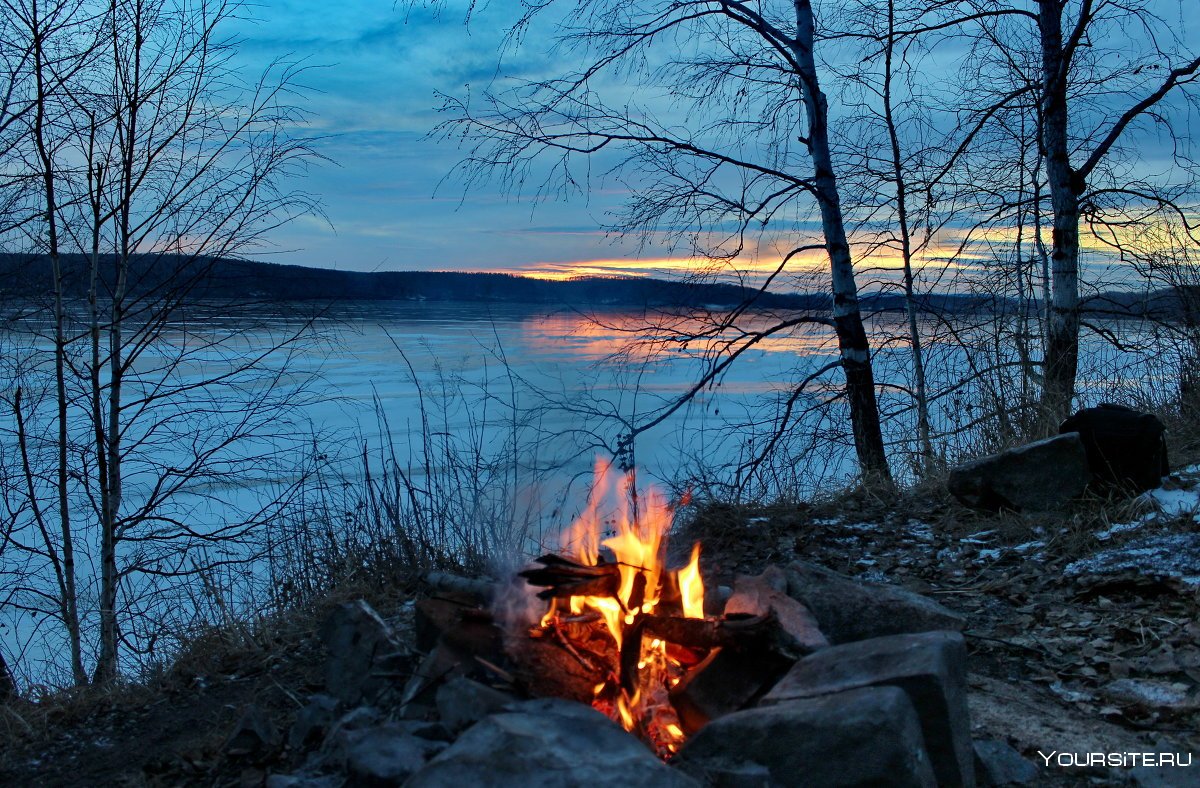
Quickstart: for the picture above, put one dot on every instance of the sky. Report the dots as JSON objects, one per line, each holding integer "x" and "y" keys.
{"x": 375, "y": 70}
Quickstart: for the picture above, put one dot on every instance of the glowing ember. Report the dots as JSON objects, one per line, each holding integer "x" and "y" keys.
{"x": 635, "y": 531}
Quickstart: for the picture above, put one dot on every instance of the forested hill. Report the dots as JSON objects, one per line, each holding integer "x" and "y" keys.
{"x": 29, "y": 277}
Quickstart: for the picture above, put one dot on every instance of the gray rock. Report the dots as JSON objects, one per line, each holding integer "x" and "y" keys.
{"x": 547, "y": 744}
{"x": 356, "y": 638}
{"x": 849, "y": 610}
{"x": 461, "y": 703}
{"x": 386, "y": 754}
{"x": 254, "y": 733}
{"x": 766, "y": 594}
{"x": 1151, "y": 695}
{"x": 1039, "y": 476}
{"x": 312, "y": 721}
{"x": 1164, "y": 776}
{"x": 862, "y": 737}
{"x": 930, "y": 667}
{"x": 333, "y": 747}
{"x": 722, "y": 774}
{"x": 381, "y": 752}
{"x": 996, "y": 764}
{"x": 1174, "y": 558}
{"x": 356, "y": 719}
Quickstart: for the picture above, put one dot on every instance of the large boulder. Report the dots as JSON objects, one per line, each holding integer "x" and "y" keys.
{"x": 548, "y": 743}
{"x": 931, "y": 668}
{"x": 847, "y": 609}
{"x": 861, "y": 737}
{"x": 1039, "y": 476}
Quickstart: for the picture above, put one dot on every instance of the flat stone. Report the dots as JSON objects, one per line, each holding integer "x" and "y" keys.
{"x": 847, "y": 609}
{"x": 548, "y": 743}
{"x": 356, "y": 638}
{"x": 997, "y": 764}
{"x": 1039, "y": 476}
{"x": 461, "y": 703}
{"x": 930, "y": 667}
{"x": 867, "y": 736}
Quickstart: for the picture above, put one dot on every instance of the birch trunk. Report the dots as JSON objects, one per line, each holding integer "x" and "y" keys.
{"x": 852, "y": 337}
{"x": 1062, "y": 329}
{"x": 70, "y": 605}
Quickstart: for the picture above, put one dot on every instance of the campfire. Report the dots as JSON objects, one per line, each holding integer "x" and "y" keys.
{"x": 618, "y": 609}
{"x": 614, "y": 620}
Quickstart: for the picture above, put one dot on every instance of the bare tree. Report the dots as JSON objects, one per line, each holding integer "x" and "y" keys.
{"x": 157, "y": 161}
{"x": 735, "y": 163}
{"x": 1101, "y": 71}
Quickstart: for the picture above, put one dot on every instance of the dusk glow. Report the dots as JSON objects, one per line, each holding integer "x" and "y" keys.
{"x": 391, "y": 195}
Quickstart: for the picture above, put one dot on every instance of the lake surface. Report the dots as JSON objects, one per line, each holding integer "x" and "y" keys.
{"x": 549, "y": 391}
{"x": 496, "y": 413}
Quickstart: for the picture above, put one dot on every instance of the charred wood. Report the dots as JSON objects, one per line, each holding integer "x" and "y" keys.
{"x": 561, "y": 578}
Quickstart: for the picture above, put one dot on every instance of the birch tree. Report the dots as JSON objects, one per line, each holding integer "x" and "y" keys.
{"x": 156, "y": 160}
{"x": 731, "y": 157}
{"x": 1109, "y": 77}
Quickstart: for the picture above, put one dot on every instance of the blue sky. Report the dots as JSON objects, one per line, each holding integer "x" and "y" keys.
{"x": 375, "y": 72}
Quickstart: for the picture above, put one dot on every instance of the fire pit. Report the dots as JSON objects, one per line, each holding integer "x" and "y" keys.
{"x": 639, "y": 626}
{"x": 798, "y": 670}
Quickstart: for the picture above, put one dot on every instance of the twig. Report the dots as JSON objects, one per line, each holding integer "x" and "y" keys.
{"x": 497, "y": 671}
{"x": 561, "y": 639}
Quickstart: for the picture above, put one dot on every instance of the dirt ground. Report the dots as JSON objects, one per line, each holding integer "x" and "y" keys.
{"x": 1057, "y": 664}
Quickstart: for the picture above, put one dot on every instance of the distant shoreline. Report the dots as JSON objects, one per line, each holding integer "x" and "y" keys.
{"x": 24, "y": 276}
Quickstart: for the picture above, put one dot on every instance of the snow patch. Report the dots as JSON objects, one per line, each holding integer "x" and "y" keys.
{"x": 1168, "y": 556}
{"x": 920, "y": 531}
{"x": 1174, "y": 503}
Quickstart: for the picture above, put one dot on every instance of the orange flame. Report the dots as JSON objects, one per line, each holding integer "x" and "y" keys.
{"x": 691, "y": 588}
{"x": 636, "y": 533}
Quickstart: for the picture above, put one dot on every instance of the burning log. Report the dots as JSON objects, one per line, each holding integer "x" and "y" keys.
{"x": 699, "y": 634}
{"x": 562, "y": 578}
{"x": 730, "y": 679}
{"x": 542, "y": 667}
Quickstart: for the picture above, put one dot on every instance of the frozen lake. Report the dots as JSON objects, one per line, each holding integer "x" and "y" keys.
{"x": 500, "y": 410}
